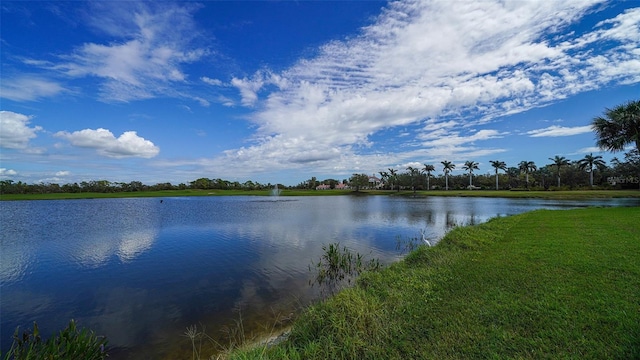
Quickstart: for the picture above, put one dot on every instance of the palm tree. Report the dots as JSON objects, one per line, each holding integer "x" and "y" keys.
{"x": 414, "y": 173}
{"x": 411, "y": 171}
{"x": 392, "y": 177}
{"x": 470, "y": 166}
{"x": 558, "y": 162}
{"x": 384, "y": 176}
{"x": 498, "y": 165}
{"x": 428, "y": 169}
{"x": 588, "y": 162}
{"x": 527, "y": 167}
{"x": 448, "y": 166}
{"x": 618, "y": 127}
{"x": 544, "y": 172}
{"x": 512, "y": 173}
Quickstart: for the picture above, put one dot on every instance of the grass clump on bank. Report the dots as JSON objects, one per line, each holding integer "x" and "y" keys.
{"x": 72, "y": 343}
{"x": 545, "y": 284}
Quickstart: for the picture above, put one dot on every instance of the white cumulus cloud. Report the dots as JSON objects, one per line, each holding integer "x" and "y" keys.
{"x": 15, "y": 132}
{"x": 555, "y": 131}
{"x": 129, "y": 144}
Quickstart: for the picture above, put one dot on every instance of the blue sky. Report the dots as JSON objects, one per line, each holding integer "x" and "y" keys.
{"x": 280, "y": 91}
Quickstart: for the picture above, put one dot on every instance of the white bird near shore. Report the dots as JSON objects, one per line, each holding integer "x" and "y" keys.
{"x": 424, "y": 237}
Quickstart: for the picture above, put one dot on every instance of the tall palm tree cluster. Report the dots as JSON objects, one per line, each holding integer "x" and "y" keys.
{"x": 615, "y": 130}
{"x": 519, "y": 176}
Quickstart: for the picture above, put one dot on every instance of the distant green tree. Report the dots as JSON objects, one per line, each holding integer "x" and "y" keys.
{"x": 331, "y": 182}
{"x": 588, "y": 162}
{"x": 630, "y": 167}
{"x": 359, "y": 181}
{"x": 162, "y": 186}
{"x": 470, "y": 166}
{"x": 498, "y": 165}
{"x": 135, "y": 186}
{"x": 544, "y": 172}
{"x": 384, "y": 176}
{"x": 559, "y": 162}
{"x": 447, "y": 167}
{"x": 248, "y": 185}
{"x": 527, "y": 167}
{"x": 71, "y": 188}
{"x": 512, "y": 174}
{"x": 202, "y": 184}
{"x": 221, "y": 184}
{"x": 414, "y": 174}
{"x": 427, "y": 170}
{"x": 393, "y": 177}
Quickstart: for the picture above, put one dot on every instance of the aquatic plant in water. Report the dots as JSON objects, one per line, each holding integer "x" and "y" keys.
{"x": 338, "y": 267}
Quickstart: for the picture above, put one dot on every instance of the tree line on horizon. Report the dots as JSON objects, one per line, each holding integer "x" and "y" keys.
{"x": 105, "y": 186}
{"x": 615, "y": 130}
{"x": 588, "y": 172}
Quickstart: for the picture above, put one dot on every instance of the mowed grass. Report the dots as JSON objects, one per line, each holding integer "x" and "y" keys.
{"x": 561, "y": 284}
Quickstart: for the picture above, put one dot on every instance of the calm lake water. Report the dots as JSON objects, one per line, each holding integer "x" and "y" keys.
{"x": 140, "y": 270}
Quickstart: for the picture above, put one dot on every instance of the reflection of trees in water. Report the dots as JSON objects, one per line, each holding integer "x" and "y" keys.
{"x": 452, "y": 220}
{"x": 418, "y": 216}
{"x": 428, "y": 218}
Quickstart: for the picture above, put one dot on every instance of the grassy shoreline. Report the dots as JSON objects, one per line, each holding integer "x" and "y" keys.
{"x": 569, "y": 194}
{"x": 544, "y": 284}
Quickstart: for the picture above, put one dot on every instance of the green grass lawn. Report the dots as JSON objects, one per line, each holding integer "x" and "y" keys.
{"x": 561, "y": 284}
{"x": 570, "y": 194}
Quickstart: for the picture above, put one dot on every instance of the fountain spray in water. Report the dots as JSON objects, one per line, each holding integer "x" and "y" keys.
{"x": 275, "y": 191}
